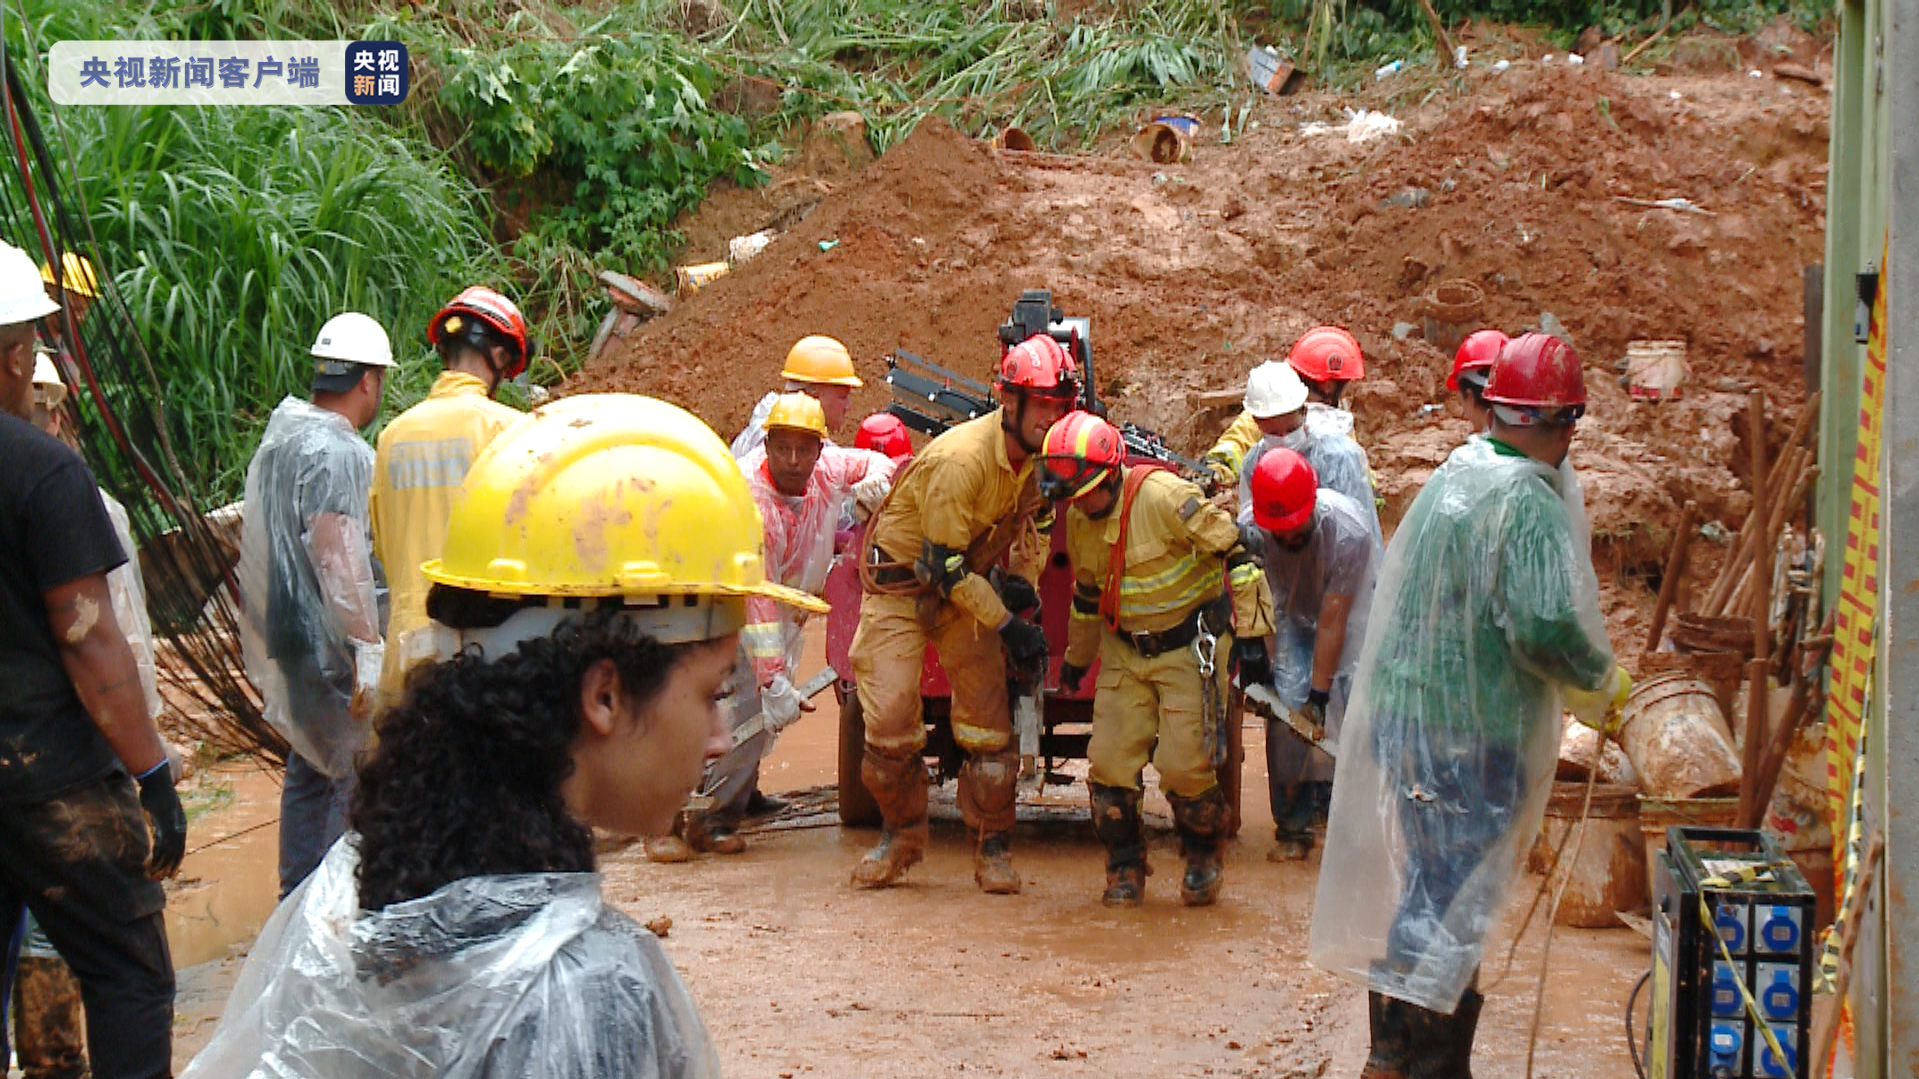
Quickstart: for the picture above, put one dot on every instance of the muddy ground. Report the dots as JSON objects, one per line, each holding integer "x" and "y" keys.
{"x": 798, "y": 974}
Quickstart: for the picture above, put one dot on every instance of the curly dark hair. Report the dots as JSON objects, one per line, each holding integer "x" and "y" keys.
{"x": 466, "y": 776}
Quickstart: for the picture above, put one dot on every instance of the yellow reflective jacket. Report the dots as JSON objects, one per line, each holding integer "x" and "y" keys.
{"x": 418, "y": 473}
{"x": 1176, "y": 548}
{"x": 1229, "y": 453}
{"x": 957, "y": 490}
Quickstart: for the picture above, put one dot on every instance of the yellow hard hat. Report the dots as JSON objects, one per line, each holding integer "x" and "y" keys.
{"x": 76, "y": 275}
{"x": 820, "y": 359}
{"x": 797, "y": 412}
{"x": 611, "y": 495}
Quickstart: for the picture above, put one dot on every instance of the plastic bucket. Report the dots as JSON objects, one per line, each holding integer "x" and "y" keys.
{"x": 1677, "y": 739}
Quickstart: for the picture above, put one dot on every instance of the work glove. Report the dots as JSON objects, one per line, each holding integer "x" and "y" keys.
{"x": 1019, "y": 595}
{"x": 1601, "y": 709}
{"x": 368, "y": 658}
{"x": 1255, "y": 668}
{"x": 1252, "y": 539}
{"x": 1070, "y": 676}
{"x": 1025, "y": 642}
{"x": 168, "y": 817}
{"x": 1219, "y": 477}
{"x": 868, "y": 494}
{"x": 1313, "y": 712}
{"x": 780, "y": 704}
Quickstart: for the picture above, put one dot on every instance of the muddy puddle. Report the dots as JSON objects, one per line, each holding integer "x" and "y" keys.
{"x": 229, "y": 883}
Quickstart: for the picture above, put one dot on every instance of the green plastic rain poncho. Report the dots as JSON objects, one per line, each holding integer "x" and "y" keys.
{"x": 1487, "y": 605}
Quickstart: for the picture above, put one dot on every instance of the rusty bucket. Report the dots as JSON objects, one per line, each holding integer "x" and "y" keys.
{"x": 1610, "y": 873}
{"x": 1451, "y": 311}
{"x": 1676, "y": 737}
{"x": 1658, "y": 814}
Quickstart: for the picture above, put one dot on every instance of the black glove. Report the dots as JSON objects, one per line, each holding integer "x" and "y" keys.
{"x": 1019, "y": 595}
{"x": 169, "y": 819}
{"x": 1252, "y": 538}
{"x": 1025, "y": 642}
{"x": 1313, "y": 713}
{"x": 1070, "y": 676}
{"x": 1254, "y": 667}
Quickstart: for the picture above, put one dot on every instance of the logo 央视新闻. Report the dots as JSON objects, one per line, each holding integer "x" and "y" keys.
{"x": 376, "y": 73}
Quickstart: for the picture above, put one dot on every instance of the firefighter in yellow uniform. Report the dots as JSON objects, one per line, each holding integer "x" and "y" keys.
{"x": 424, "y": 454}
{"x": 1160, "y": 583}
{"x": 953, "y": 516}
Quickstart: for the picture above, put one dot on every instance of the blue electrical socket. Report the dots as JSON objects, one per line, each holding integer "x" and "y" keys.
{"x": 1730, "y": 922}
{"x": 1769, "y": 1066}
{"x": 1727, "y": 1043}
{"x": 1777, "y": 990}
{"x": 1726, "y": 1001}
{"x": 1778, "y": 928}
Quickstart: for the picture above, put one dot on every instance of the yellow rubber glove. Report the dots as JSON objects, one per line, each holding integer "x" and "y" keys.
{"x": 1604, "y": 708}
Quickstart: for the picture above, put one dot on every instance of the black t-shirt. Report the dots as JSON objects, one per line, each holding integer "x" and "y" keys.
{"x": 53, "y": 531}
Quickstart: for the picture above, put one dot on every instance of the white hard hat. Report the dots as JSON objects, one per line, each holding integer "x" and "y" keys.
{"x": 45, "y": 374}
{"x": 23, "y": 296}
{"x": 354, "y": 338}
{"x": 1274, "y": 390}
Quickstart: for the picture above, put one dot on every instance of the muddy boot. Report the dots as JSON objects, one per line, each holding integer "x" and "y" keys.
{"x": 49, "y": 1020}
{"x": 1291, "y": 848}
{"x": 993, "y": 865}
{"x": 1116, "y": 823}
{"x": 1200, "y": 822}
{"x": 1386, "y": 1017}
{"x": 988, "y": 789}
{"x": 666, "y": 848}
{"x": 714, "y": 837}
{"x": 1445, "y": 1042}
{"x": 897, "y": 781}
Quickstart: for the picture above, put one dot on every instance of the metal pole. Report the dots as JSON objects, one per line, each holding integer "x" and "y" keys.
{"x": 1900, "y": 809}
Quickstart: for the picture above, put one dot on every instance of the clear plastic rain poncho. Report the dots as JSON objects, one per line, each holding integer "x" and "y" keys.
{"x": 1340, "y": 557}
{"x": 1326, "y": 441}
{"x": 799, "y": 545}
{"x": 129, "y": 593}
{"x": 1487, "y": 604}
{"x": 306, "y": 569}
{"x": 529, "y": 976}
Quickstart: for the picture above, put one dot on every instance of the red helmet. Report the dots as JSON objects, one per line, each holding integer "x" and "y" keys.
{"x": 482, "y": 310}
{"x": 883, "y": 432}
{"x": 1328, "y": 354}
{"x": 1285, "y": 490}
{"x": 1040, "y": 364}
{"x": 1476, "y": 355}
{"x": 1538, "y": 375}
{"x": 1081, "y": 451}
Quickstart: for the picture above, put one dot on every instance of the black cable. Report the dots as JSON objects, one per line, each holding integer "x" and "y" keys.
{"x": 1632, "y": 1036}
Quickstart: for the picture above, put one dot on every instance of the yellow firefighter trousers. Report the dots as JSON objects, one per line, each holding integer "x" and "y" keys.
{"x": 889, "y": 649}
{"x": 1139, "y": 700}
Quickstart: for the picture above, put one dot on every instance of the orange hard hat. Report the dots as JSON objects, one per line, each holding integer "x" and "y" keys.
{"x": 1039, "y": 364}
{"x": 1475, "y": 357}
{"x": 1328, "y": 354}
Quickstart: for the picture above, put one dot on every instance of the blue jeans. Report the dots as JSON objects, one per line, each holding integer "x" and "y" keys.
{"x": 313, "y": 812}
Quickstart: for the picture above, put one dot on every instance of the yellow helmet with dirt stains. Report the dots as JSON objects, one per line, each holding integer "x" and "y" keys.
{"x": 797, "y": 412}
{"x": 820, "y": 359}
{"x": 609, "y": 495}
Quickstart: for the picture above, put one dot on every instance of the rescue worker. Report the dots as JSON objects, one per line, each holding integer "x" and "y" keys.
{"x": 311, "y": 631}
{"x": 47, "y": 1013}
{"x": 1472, "y": 364}
{"x": 424, "y": 454}
{"x": 818, "y": 366}
{"x": 1320, "y": 564}
{"x": 956, "y": 513}
{"x": 83, "y": 770}
{"x": 1295, "y": 415}
{"x": 463, "y": 932}
{"x": 1160, "y": 581}
{"x": 1487, "y": 619}
{"x": 799, "y": 481}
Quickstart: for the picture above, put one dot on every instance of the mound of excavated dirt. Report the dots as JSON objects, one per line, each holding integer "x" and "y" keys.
{"x": 1192, "y": 273}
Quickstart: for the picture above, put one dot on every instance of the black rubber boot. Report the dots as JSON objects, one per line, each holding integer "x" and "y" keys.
{"x": 1445, "y": 1042}
{"x": 1386, "y": 1018}
{"x": 1117, "y": 824}
{"x": 1200, "y": 822}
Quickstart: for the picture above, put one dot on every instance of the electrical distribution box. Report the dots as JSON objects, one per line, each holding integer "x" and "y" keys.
{"x": 1764, "y": 915}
